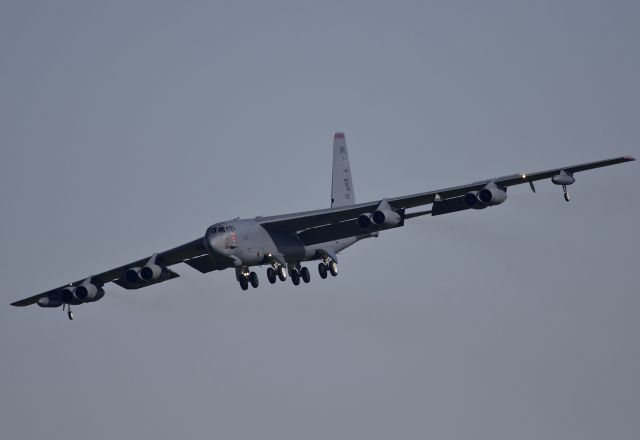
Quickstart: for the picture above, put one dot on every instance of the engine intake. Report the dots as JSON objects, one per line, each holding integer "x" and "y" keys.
{"x": 492, "y": 195}
{"x": 364, "y": 222}
{"x": 151, "y": 272}
{"x": 132, "y": 275}
{"x": 386, "y": 217}
{"x": 68, "y": 295}
{"x": 472, "y": 201}
{"x": 88, "y": 292}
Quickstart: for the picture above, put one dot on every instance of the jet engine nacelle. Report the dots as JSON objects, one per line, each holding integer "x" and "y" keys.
{"x": 68, "y": 296}
{"x": 88, "y": 292}
{"x": 386, "y": 217}
{"x": 472, "y": 201}
{"x": 492, "y": 195}
{"x": 97, "y": 296}
{"x": 76, "y": 295}
{"x": 132, "y": 275}
{"x": 150, "y": 272}
{"x": 364, "y": 222}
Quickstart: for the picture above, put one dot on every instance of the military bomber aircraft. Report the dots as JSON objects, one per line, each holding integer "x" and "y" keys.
{"x": 285, "y": 242}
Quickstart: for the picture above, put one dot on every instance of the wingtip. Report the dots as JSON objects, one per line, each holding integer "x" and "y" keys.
{"x": 630, "y": 158}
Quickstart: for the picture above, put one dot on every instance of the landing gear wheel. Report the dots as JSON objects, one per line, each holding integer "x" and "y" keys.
{"x": 70, "y": 315}
{"x": 333, "y": 268}
{"x": 295, "y": 277}
{"x": 253, "y": 279}
{"x": 271, "y": 275}
{"x": 282, "y": 273}
{"x": 306, "y": 276}
{"x": 567, "y": 197}
{"x": 244, "y": 283}
{"x": 322, "y": 270}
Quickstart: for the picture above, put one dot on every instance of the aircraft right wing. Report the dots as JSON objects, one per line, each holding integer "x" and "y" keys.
{"x": 183, "y": 253}
{"x": 333, "y": 217}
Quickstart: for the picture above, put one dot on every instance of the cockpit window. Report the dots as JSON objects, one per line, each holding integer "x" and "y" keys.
{"x": 230, "y": 228}
{"x": 220, "y": 228}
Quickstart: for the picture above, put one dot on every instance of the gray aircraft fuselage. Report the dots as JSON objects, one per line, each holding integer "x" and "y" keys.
{"x": 244, "y": 242}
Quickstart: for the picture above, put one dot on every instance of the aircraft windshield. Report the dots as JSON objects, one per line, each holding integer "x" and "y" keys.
{"x": 220, "y": 229}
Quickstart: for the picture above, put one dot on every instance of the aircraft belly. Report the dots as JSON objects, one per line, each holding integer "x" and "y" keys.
{"x": 250, "y": 257}
{"x": 312, "y": 252}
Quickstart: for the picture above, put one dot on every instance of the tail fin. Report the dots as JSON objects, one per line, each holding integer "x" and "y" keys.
{"x": 341, "y": 183}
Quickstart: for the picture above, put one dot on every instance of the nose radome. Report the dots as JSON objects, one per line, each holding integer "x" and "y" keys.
{"x": 216, "y": 242}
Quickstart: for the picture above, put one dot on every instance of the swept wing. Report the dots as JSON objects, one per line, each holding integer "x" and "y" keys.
{"x": 173, "y": 256}
{"x": 322, "y": 217}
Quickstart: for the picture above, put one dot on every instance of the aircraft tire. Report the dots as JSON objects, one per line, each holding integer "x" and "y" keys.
{"x": 333, "y": 268}
{"x": 295, "y": 277}
{"x": 306, "y": 276}
{"x": 322, "y": 270}
{"x": 271, "y": 275}
{"x": 244, "y": 283}
{"x": 282, "y": 273}
{"x": 253, "y": 279}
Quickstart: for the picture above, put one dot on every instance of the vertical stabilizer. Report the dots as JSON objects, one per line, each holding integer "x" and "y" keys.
{"x": 341, "y": 183}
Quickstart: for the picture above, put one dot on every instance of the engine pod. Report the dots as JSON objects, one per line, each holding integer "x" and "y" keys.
{"x": 132, "y": 275}
{"x": 364, "y": 222}
{"x": 472, "y": 201}
{"x": 492, "y": 195}
{"x": 151, "y": 272}
{"x": 88, "y": 292}
{"x": 386, "y": 217}
{"x": 85, "y": 291}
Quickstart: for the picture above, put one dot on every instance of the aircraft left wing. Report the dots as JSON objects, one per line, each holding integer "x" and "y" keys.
{"x": 159, "y": 273}
{"x": 332, "y": 216}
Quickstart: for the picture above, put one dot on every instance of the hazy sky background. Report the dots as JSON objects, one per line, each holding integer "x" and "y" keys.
{"x": 127, "y": 128}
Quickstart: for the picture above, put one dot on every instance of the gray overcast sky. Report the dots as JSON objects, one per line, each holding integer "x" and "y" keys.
{"x": 129, "y": 127}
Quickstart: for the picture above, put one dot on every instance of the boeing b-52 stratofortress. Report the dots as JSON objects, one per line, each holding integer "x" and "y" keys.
{"x": 285, "y": 242}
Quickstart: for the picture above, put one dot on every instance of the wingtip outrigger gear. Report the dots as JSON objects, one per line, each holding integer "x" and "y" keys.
{"x": 564, "y": 179}
{"x": 69, "y": 311}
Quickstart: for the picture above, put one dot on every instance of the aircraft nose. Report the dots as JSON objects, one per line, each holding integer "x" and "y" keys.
{"x": 217, "y": 244}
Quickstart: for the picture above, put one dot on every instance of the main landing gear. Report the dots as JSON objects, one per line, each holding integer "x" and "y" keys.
{"x": 246, "y": 278}
{"x": 326, "y": 267}
{"x": 567, "y": 196}
{"x": 278, "y": 272}
{"x": 300, "y": 273}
